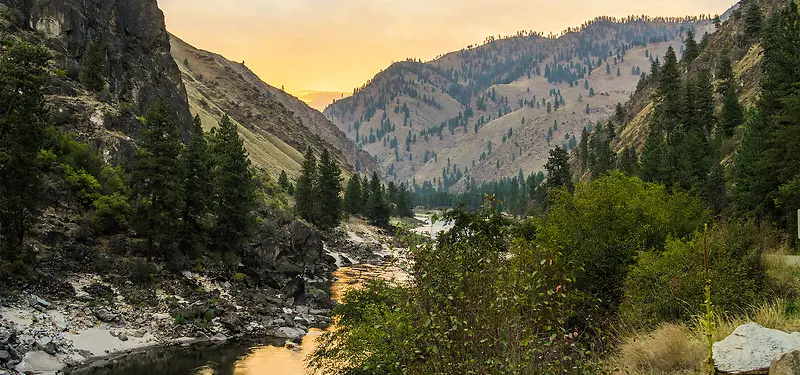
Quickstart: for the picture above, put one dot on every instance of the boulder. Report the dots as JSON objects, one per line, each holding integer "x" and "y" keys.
{"x": 786, "y": 364}
{"x": 294, "y": 334}
{"x": 751, "y": 348}
{"x": 39, "y": 362}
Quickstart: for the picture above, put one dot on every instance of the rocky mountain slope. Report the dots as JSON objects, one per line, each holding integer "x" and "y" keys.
{"x": 276, "y": 126}
{"x": 434, "y": 121}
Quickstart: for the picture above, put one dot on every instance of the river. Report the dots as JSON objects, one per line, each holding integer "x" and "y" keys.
{"x": 247, "y": 358}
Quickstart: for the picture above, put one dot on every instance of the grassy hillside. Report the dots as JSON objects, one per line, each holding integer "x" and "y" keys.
{"x": 426, "y": 120}
{"x": 276, "y": 127}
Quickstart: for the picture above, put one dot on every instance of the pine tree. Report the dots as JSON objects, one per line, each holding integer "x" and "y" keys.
{"x": 283, "y": 181}
{"x": 654, "y": 161}
{"x": 353, "y": 196}
{"x": 753, "y": 19}
{"x": 405, "y": 204}
{"x": 92, "y": 73}
{"x": 753, "y": 182}
{"x": 691, "y": 50}
{"x": 234, "y": 188}
{"x": 583, "y": 149}
{"x": 328, "y": 187}
{"x": 724, "y": 73}
{"x": 22, "y": 124}
{"x": 304, "y": 191}
{"x": 378, "y": 211}
{"x": 197, "y": 190}
{"x": 559, "y": 173}
{"x": 732, "y": 113}
{"x": 628, "y": 162}
{"x": 156, "y": 181}
{"x": 669, "y": 89}
{"x": 704, "y": 101}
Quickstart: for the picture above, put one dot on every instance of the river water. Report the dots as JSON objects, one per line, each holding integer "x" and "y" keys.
{"x": 243, "y": 358}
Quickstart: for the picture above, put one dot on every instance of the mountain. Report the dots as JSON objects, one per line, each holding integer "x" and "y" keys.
{"x": 137, "y": 66}
{"x": 482, "y": 112}
{"x": 276, "y": 126}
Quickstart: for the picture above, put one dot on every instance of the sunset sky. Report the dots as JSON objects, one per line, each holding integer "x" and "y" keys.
{"x": 318, "y": 49}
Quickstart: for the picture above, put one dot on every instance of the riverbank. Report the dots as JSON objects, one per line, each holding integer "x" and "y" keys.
{"x": 84, "y": 320}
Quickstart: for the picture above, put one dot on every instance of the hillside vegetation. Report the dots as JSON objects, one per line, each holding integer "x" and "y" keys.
{"x": 482, "y": 113}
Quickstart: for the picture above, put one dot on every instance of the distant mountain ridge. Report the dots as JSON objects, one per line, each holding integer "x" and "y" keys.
{"x": 434, "y": 121}
{"x": 276, "y": 126}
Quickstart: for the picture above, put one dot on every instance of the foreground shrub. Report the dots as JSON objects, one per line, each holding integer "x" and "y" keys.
{"x": 476, "y": 302}
{"x": 669, "y": 286}
{"x": 601, "y": 227}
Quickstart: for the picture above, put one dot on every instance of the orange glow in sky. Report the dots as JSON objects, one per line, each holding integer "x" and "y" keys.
{"x": 318, "y": 49}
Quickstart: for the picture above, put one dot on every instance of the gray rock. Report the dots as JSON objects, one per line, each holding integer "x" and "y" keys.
{"x": 219, "y": 337}
{"x": 786, "y": 364}
{"x": 39, "y": 362}
{"x": 122, "y": 337}
{"x": 294, "y": 334}
{"x": 751, "y": 348}
{"x": 38, "y": 303}
{"x": 105, "y": 315}
{"x": 4, "y": 355}
{"x": 46, "y": 344}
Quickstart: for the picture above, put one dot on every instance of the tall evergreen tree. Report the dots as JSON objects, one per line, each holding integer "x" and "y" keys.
{"x": 559, "y": 173}
{"x": 22, "y": 123}
{"x": 353, "y": 196}
{"x": 654, "y": 161}
{"x": 753, "y": 183}
{"x": 157, "y": 181}
{"x": 234, "y": 188}
{"x": 405, "y": 202}
{"x": 328, "y": 188}
{"x": 753, "y": 19}
{"x": 283, "y": 181}
{"x": 197, "y": 190}
{"x": 92, "y": 73}
{"x": 304, "y": 191}
{"x": 732, "y": 113}
{"x": 378, "y": 211}
{"x": 724, "y": 73}
{"x": 691, "y": 49}
{"x": 669, "y": 109}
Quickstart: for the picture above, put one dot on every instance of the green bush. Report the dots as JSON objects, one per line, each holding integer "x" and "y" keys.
{"x": 601, "y": 227}
{"x": 111, "y": 212}
{"x": 86, "y": 187}
{"x": 669, "y": 286}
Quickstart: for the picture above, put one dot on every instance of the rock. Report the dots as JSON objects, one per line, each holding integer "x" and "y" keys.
{"x": 39, "y": 362}
{"x": 4, "y": 355}
{"x": 786, "y": 364}
{"x": 219, "y": 337}
{"x": 294, "y": 288}
{"x": 122, "y": 337}
{"x": 46, "y": 344}
{"x": 39, "y": 303}
{"x": 751, "y": 348}
{"x": 294, "y": 334}
{"x": 105, "y": 315}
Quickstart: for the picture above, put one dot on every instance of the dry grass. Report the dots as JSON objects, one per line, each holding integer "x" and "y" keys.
{"x": 671, "y": 349}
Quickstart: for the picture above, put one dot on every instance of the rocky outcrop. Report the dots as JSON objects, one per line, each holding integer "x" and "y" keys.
{"x": 134, "y": 43}
{"x": 751, "y": 348}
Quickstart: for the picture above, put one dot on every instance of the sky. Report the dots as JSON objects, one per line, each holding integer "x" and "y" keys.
{"x": 319, "y": 49}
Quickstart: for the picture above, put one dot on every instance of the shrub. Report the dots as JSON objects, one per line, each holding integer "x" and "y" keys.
{"x": 669, "y": 286}
{"x": 111, "y": 212}
{"x": 603, "y": 225}
{"x": 142, "y": 272}
{"x": 84, "y": 184}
